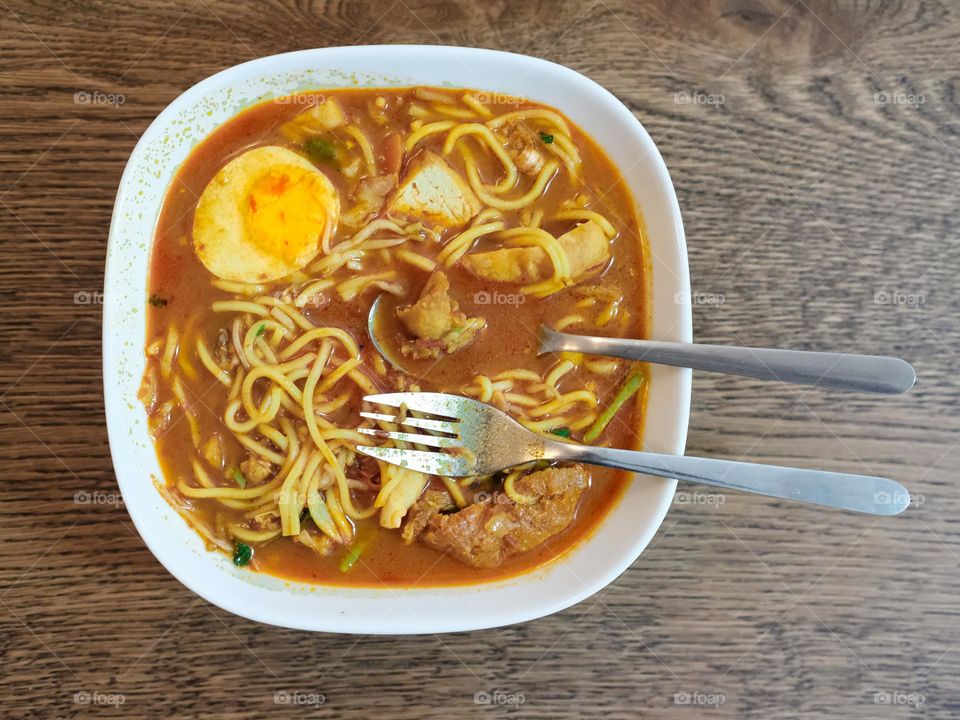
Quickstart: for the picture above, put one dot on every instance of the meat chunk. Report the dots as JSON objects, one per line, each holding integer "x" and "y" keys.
{"x": 255, "y": 469}
{"x": 485, "y": 534}
{"x": 586, "y": 247}
{"x": 435, "y": 193}
{"x": 436, "y": 321}
{"x": 431, "y": 504}
{"x": 523, "y": 145}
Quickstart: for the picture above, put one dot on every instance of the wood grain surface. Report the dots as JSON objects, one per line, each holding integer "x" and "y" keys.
{"x": 814, "y": 147}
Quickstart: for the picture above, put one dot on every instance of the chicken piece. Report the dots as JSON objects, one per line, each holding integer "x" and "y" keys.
{"x": 523, "y": 145}
{"x": 435, "y": 193}
{"x": 368, "y": 199}
{"x": 486, "y": 533}
{"x": 255, "y": 469}
{"x": 436, "y": 321}
{"x": 586, "y": 247}
{"x": 431, "y": 504}
{"x": 403, "y": 494}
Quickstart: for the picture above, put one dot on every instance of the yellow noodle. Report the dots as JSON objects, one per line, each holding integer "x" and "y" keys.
{"x": 309, "y": 292}
{"x": 564, "y": 148}
{"x": 460, "y": 244}
{"x": 425, "y": 131}
{"x": 416, "y": 260}
{"x": 363, "y": 382}
{"x": 302, "y": 322}
{"x": 244, "y": 535}
{"x": 273, "y": 435}
{"x": 239, "y": 288}
{"x": 322, "y": 332}
{"x": 239, "y": 306}
{"x": 521, "y": 399}
{"x": 455, "y": 112}
{"x": 473, "y": 175}
{"x": 289, "y": 510}
{"x": 352, "y": 288}
{"x": 604, "y": 224}
{"x": 564, "y": 402}
{"x": 490, "y": 140}
{"x": 511, "y": 492}
{"x": 208, "y": 362}
{"x": 429, "y": 95}
{"x": 601, "y": 367}
{"x": 345, "y": 501}
{"x": 567, "y": 321}
{"x": 455, "y": 492}
{"x": 474, "y": 104}
{"x": 169, "y": 352}
{"x": 260, "y": 449}
{"x": 548, "y": 116}
{"x": 333, "y": 377}
{"x": 553, "y": 377}
{"x": 366, "y": 149}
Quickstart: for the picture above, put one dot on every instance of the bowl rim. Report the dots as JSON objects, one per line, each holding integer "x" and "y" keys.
{"x": 112, "y": 356}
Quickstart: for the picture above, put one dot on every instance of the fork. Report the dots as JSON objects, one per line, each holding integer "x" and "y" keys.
{"x": 479, "y": 439}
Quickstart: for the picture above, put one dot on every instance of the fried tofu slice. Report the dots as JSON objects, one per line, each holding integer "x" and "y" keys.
{"x": 586, "y": 246}
{"x": 434, "y": 193}
{"x": 436, "y": 322}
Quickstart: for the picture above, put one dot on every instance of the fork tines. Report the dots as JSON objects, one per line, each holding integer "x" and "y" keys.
{"x": 409, "y": 403}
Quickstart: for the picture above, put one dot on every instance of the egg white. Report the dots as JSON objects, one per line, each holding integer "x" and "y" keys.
{"x": 264, "y": 215}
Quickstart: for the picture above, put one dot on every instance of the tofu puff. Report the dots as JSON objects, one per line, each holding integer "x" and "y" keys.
{"x": 264, "y": 216}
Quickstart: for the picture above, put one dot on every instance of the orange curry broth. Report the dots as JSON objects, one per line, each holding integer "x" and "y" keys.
{"x": 509, "y": 341}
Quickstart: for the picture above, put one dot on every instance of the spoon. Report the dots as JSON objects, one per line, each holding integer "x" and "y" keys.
{"x": 842, "y": 371}
{"x": 371, "y": 331}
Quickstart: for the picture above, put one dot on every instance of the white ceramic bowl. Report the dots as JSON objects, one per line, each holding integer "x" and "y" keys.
{"x": 593, "y": 563}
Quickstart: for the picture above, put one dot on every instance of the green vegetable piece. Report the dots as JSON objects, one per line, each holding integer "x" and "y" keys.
{"x": 157, "y": 301}
{"x": 261, "y": 330}
{"x": 322, "y": 151}
{"x": 546, "y": 137}
{"x": 242, "y": 554}
{"x": 561, "y": 431}
{"x": 631, "y": 385}
{"x": 239, "y": 478}
{"x": 350, "y": 559}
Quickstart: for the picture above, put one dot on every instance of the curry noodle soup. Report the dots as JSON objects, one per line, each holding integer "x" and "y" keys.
{"x": 475, "y": 222}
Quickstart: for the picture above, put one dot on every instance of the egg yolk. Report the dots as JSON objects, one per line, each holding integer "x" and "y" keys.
{"x": 285, "y": 213}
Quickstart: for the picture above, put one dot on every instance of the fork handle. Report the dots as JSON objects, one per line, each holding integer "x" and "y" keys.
{"x": 841, "y": 371}
{"x": 860, "y": 493}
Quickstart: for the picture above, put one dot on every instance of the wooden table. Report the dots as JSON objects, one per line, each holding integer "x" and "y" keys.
{"x": 815, "y": 151}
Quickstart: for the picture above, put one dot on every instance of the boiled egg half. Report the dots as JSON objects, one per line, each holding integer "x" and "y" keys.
{"x": 264, "y": 215}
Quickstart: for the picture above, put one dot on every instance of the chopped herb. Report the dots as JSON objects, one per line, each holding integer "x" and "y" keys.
{"x": 157, "y": 301}
{"x": 561, "y": 431}
{"x": 240, "y": 478}
{"x": 261, "y": 330}
{"x": 631, "y": 385}
{"x": 242, "y": 554}
{"x": 546, "y": 137}
{"x": 322, "y": 151}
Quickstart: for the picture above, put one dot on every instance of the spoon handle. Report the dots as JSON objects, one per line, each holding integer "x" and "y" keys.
{"x": 866, "y": 373}
{"x": 859, "y": 493}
